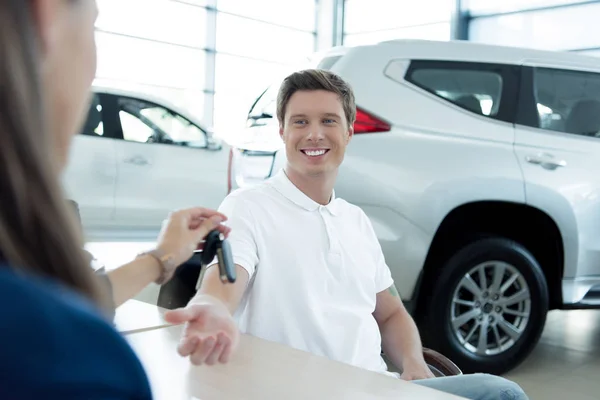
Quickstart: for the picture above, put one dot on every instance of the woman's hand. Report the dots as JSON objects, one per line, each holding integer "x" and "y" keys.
{"x": 184, "y": 231}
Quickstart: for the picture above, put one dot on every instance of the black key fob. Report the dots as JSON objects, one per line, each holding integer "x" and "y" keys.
{"x": 216, "y": 245}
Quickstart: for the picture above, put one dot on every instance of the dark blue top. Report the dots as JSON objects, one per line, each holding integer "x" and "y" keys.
{"x": 56, "y": 345}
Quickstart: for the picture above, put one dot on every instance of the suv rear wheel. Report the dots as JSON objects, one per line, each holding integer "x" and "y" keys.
{"x": 489, "y": 306}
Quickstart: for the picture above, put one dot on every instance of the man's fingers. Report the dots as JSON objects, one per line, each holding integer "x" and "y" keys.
{"x": 205, "y": 346}
{"x": 227, "y": 349}
{"x": 215, "y": 354}
{"x": 187, "y": 346}
{"x": 180, "y": 315}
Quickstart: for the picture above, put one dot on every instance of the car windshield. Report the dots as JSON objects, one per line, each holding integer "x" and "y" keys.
{"x": 266, "y": 105}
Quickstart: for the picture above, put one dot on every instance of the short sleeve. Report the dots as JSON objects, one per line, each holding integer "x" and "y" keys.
{"x": 242, "y": 236}
{"x": 383, "y": 276}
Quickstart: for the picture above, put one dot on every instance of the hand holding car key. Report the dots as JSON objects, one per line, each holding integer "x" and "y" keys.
{"x": 216, "y": 245}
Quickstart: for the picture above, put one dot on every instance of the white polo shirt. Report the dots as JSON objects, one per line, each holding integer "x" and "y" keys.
{"x": 314, "y": 272}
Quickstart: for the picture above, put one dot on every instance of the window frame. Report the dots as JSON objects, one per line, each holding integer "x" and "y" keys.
{"x": 108, "y": 133}
{"x": 114, "y": 107}
{"x": 509, "y": 94}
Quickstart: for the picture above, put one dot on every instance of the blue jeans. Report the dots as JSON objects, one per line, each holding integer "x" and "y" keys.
{"x": 476, "y": 387}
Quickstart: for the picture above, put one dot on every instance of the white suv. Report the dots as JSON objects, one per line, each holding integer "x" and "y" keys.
{"x": 479, "y": 167}
{"x": 138, "y": 158}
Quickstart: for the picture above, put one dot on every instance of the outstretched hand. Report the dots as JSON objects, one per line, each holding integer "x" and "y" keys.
{"x": 210, "y": 334}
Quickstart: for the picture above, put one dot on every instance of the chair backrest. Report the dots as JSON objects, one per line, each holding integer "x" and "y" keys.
{"x": 182, "y": 287}
{"x": 439, "y": 364}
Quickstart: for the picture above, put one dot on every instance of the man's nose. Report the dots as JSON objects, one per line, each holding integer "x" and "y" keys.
{"x": 315, "y": 133}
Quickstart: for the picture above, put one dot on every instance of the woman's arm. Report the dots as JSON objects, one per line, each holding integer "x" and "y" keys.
{"x": 181, "y": 235}
{"x": 128, "y": 280}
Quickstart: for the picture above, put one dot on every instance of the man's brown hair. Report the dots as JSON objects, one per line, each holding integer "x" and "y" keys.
{"x": 316, "y": 79}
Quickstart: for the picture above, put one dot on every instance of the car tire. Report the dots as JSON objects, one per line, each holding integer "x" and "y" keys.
{"x": 514, "y": 318}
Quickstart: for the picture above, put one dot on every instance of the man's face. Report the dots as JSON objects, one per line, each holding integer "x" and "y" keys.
{"x": 315, "y": 132}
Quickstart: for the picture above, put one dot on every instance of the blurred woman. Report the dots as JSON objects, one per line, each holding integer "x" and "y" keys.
{"x": 55, "y": 340}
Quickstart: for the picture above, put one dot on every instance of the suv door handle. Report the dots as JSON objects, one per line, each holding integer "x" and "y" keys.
{"x": 137, "y": 160}
{"x": 546, "y": 161}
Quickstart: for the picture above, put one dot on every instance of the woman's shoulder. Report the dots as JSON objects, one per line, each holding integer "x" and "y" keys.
{"x": 54, "y": 341}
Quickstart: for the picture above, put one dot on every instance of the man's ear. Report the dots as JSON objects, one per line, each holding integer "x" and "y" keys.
{"x": 281, "y": 132}
{"x": 350, "y": 133}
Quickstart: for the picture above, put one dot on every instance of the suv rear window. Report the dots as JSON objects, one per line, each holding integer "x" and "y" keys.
{"x": 476, "y": 87}
{"x": 567, "y": 101}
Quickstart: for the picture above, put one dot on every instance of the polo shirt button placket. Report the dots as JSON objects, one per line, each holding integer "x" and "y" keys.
{"x": 333, "y": 241}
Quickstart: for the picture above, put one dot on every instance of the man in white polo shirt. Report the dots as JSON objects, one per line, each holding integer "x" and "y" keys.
{"x": 311, "y": 273}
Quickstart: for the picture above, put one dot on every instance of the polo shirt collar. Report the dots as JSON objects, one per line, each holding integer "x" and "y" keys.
{"x": 283, "y": 185}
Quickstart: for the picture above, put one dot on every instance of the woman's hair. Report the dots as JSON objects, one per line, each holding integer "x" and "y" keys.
{"x": 38, "y": 232}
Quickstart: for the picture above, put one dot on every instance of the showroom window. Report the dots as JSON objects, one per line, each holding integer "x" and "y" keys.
{"x": 373, "y": 21}
{"x": 485, "y": 7}
{"x": 257, "y": 43}
{"x": 568, "y": 101}
{"x": 473, "y": 86}
{"x": 537, "y": 29}
{"x": 155, "y": 47}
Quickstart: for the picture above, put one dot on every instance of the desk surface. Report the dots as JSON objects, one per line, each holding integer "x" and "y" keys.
{"x": 136, "y": 316}
{"x": 263, "y": 370}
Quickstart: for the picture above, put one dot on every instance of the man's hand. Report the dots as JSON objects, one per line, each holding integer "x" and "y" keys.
{"x": 210, "y": 334}
{"x": 416, "y": 370}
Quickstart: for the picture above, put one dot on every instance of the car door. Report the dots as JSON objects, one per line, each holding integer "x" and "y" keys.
{"x": 165, "y": 163}
{"x": 558, "y": 147}
{"x": 91, "y": 173}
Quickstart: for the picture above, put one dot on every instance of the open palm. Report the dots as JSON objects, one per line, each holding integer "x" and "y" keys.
{"x": 210, "y": 334}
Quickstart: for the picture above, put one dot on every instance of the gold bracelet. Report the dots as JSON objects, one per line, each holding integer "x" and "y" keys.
{"x": 166, "y": 262}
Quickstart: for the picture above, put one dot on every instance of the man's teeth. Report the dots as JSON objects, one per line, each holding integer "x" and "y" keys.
{"x": 314, "y": 153}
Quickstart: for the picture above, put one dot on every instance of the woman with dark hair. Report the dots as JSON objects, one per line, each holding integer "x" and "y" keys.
{"x": 55, "y": 339}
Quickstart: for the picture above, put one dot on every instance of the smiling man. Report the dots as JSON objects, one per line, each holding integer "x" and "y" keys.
{"x": 311, "y": 273}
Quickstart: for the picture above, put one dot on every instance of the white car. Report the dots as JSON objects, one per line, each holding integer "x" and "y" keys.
{"x": 479, "y": 167}
{"x": 138, "y": 158}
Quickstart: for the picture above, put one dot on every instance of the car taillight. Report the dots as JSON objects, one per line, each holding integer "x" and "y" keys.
{"x": 229, "y": 177}
{"x": 367, "y": 123}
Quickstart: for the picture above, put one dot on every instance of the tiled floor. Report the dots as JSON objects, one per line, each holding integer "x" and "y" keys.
{"x": 566, "y": 362}
{"x": 564, "y": 365}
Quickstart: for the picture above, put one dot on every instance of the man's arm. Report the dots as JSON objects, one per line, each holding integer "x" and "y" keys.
{"x": 213, "y": 289}
{"x": 400, "y": 336}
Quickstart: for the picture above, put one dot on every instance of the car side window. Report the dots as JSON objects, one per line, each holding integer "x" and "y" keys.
{"x": 472, "y": 86}
{"x": 568, "y": 101}
{"x": 134, "y": 129}
{"x": 146, "y": 122}
{"x": 94, "y": 125}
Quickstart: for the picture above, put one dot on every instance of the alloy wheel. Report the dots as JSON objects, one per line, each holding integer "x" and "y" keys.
{"x": 490, "y": 309}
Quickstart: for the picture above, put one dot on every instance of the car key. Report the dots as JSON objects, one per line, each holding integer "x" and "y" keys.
{"x": 216, "y": 244}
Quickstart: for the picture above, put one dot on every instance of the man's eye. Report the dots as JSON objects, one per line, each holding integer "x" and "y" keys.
{"x": 329, "y": 121}
{"x": 300, "y": 122}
